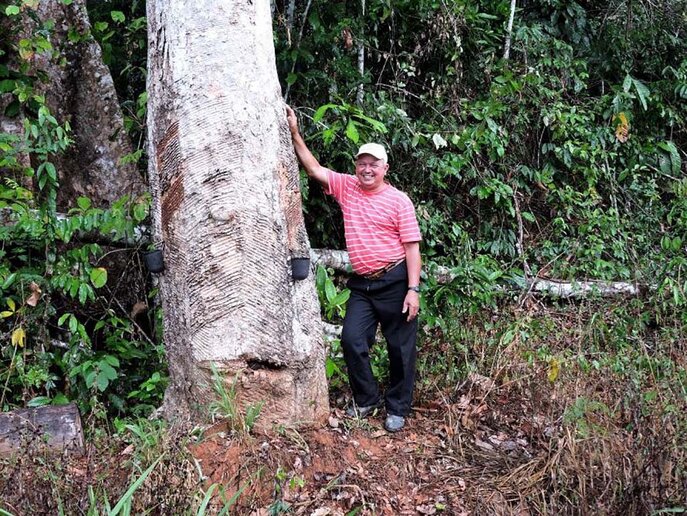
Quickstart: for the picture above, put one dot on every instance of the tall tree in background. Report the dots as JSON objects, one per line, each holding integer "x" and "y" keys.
{"x": 227, "y": 210}
{"x": 68, "y": 69}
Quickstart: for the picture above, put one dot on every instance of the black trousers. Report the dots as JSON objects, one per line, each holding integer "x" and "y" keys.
{"x": 372, "y": 302}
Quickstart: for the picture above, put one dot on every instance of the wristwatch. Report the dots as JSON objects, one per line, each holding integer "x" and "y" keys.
{"x": 416, "y": 288}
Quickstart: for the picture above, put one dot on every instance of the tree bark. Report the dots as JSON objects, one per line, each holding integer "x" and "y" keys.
{"x": 509, "y": 31}
{"x": 53, "y": 428}
{"x": 360, "y": 94}
{"x": 80, "y": 90}
{"x": 339, "y": 260}
{"x": 227, "y": 206}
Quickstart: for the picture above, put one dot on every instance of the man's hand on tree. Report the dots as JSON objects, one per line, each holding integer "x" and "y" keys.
{"x": 292, "y": 120}
{"x": 411, "y": 305}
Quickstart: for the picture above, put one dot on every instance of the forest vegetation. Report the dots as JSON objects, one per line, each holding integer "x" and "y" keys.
{"x": 544, "y": 142}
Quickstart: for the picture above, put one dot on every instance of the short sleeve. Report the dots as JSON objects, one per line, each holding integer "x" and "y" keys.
{"x": 408, "y": 228}
{"x": 337, "y": 185}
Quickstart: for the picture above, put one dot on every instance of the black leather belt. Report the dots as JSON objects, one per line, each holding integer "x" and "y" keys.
{"x": 381, "y": 272}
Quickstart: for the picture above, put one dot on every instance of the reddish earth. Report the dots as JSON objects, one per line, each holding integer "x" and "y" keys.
{"x": 467, "y": 452}
{"x": 345, "y": 467}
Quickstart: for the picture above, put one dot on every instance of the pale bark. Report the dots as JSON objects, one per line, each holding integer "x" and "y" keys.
{"x": 290, "y": 13}
{"x": 520, "y": 243}
{"x": 226, "y": 204}
{"x": 360, "y": 94}
{"x": 80, "y": 90}
{"x": 509, "y": 31}
{"x": 338, "y": 260}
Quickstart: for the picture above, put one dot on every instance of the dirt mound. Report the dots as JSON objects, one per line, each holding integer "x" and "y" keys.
{"x": 348, "y": 465}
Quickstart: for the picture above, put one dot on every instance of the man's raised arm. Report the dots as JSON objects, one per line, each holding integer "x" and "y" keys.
{"x": 309, "y": 162}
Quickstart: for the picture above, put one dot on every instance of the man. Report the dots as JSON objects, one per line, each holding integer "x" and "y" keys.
{"x": 383, "y": 243}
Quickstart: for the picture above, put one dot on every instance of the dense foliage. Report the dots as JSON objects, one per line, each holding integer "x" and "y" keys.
{"x": 66, "y": 335}
{"x": 563, "y": 160}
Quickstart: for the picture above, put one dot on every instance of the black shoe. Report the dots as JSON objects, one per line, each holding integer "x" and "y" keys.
{"x": 354, "y": 410}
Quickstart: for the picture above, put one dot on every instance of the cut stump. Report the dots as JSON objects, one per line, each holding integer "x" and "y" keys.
{"x": 54, "y": 428}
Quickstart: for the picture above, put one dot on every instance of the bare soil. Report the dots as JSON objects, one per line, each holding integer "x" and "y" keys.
{"x": 351, "y": 466}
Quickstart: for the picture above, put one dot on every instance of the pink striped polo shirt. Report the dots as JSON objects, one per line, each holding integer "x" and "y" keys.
{"x": 376, "y": 224}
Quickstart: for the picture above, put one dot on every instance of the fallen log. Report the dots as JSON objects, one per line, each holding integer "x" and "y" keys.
{"x": 55, "y": 428}
{"x": 339, "y": 261}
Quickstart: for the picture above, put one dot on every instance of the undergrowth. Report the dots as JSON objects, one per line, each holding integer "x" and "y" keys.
{"x": 566, "y": 407}
{"x": 596, "y": 392}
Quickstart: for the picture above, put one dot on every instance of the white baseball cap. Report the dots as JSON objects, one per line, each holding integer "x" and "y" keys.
{"x": 373, "y": 149}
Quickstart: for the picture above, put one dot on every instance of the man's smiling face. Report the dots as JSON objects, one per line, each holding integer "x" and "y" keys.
{"x": 370, "y": 171}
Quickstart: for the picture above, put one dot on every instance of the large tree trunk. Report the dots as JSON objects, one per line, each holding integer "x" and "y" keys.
{"x": 227, "y": 208}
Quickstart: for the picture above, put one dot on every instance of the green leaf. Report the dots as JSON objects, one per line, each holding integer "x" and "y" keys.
{"x": 50, "y": 169}
{"x": 8, "y": 282}
{"x": 341, "y": 297}
{"x": 73, "y": 324}
{"x": 375, "y": 124}
{"x": 320, "y": 278}
{"x": 60, "y": 399}
{"x": 73, "y": 287}
{"x": 38, "y": 401}
{"x": 83, "y": 293}
{"x": 12, "y": 109}
{"x": 675, "y": 159}
{"x": 331, "y": 367}
{"x": 7, "y": 85}
{"x": 107, "y": 370}
{"x": 329, "y": 290}
{"x": 83, "y": 202}
{"x": 291, "y": 78}
{"x": 314, "y": 20}
{"x": 62, "y": 318}
{"x": 12, "y": 10}
{"x": 113, "y": 361}
{"x": 627, "y": 83}
{"x": 140, "y": 212}
{"x": 642, "y": 92}
{"x": 126, "y": 498}
{"x": 352, "y": 131}
{"x": 206, "y": 500}
{"x": 102, "y": 381}
{"x": 321, "y": 112}
{"x": 99, "y": 277}
{"x": 118, "y": 16}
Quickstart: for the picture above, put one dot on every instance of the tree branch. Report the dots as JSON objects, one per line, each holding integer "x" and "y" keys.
{"x": 361, "y": 63}
{"x": 338, "y": 260}
{"x": 509, "y": 31}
